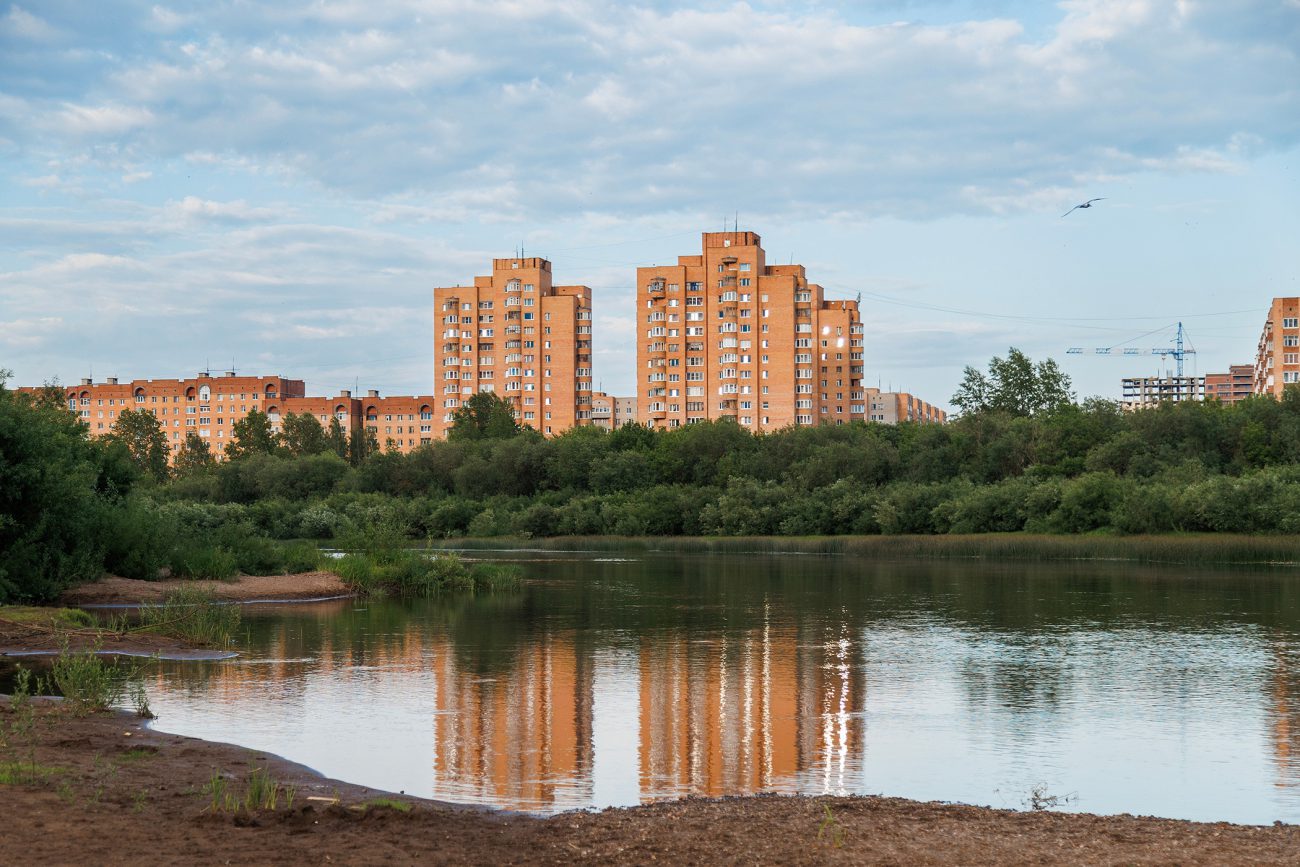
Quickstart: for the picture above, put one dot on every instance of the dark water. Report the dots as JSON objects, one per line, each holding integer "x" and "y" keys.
{"x": 1173, "y": 692}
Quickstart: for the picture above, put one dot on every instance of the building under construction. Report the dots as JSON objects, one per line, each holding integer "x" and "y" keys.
{"x": 1144, "y": 392}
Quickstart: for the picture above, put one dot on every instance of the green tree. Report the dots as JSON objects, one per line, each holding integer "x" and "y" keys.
{"x": 194, "y": 457}
{"x": 301, "y": 435}
{"x": 484, "y": 416}
{"x": 57, "y": 491}
{"x": 363, "y": 443}
{"x": 1014, "y": 385}
{"x": 336, "y": 439}
{"x": 252, "y": 435}
{"x": 140, "y": 432}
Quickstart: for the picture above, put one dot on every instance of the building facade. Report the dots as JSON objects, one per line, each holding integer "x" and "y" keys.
{"x": 210, "y": 406}
{"x": 205, "y": 404}
{"x": 1237, "y": 384}
{"x": 1277, "y": 356}
{"x": 892, "y": 407}
{"x": 516, "y": 334}
{"x": 610, "y": 412}
{"x": 723, "y": 334}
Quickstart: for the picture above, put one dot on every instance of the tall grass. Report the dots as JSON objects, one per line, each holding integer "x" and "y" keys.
{"x": 417, "y": 573}
{"x": 261, "y": 791}
{"x": 193, "y": 615}
{"x": 1205, "y": 548}
{"x": 90, "y": 682}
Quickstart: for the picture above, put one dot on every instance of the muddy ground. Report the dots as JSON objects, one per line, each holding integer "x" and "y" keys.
{"x": 111, "y": 791}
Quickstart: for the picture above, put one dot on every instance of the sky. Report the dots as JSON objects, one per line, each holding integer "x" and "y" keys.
{"x": 278, "y": 186}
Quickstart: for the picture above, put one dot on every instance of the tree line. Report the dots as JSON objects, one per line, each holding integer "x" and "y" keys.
{"x": 1024, "y": 456}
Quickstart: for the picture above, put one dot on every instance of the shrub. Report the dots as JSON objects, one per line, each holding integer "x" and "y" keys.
{"x": 90, "y": 683}
{"x": 193, "y": 615}
{"x": 204, "y": 562}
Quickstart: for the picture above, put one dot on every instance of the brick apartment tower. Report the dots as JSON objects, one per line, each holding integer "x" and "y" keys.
{"x": 725, "y": 335}
{"x": 1277, "y": 358}
{"x": 515, "y": 334}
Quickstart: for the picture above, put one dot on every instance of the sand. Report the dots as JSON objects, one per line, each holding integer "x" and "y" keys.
{"x": 123, "y": 794}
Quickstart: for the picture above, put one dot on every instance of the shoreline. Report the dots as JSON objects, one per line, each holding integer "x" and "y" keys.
{"x": 19, "y": 639}
{"x": 114, "y": 778}
{"x": 112, "y": 590}
{"x": 1188, "y": 549}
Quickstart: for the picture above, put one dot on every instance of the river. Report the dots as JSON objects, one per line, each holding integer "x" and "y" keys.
{"x": 616, "y": 679}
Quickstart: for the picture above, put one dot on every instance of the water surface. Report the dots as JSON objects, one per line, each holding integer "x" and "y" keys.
{"x": 616, "y": 680}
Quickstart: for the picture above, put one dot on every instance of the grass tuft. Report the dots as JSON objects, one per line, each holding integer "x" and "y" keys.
{"x": 194, "y": 615}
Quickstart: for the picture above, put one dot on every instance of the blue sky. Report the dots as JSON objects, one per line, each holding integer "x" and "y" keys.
{"x": 280, "y": 185}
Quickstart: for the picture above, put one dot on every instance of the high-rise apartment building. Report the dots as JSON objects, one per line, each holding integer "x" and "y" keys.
{"x": 1277, "y": 357}
{"x": 517, "y": 335}
{"x": 723, "y": 334}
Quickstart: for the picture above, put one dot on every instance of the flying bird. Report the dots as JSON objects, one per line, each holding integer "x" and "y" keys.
{"x": 1087, "y": 204}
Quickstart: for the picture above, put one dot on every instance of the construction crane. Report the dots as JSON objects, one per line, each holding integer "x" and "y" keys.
{"x": 1177, "y": 350}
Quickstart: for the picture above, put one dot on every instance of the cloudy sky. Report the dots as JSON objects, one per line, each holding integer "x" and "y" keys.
{"x": 279, "y": 185}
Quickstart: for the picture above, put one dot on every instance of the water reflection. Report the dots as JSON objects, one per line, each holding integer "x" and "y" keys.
{"x": 619, "y": 682}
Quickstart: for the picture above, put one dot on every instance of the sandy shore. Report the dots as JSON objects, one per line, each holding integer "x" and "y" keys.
{"x": 113, "y": 590}
{"x": 129, "y": 795}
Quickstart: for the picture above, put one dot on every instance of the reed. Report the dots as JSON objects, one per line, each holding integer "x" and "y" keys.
{"x": 1207, "y": 548}
{"x": 194, "y": 615}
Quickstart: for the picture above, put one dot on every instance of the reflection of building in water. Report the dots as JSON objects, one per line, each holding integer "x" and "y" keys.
{"x": 518, "y": 738}
{"x": 750, "y": 712}
{"x": 1286, "y": 721}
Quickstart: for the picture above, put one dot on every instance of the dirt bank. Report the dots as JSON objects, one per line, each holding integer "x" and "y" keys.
{"x": 113, "y": 590}
{"x": 132, "y": 795}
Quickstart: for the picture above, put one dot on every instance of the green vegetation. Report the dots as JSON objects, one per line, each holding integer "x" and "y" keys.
{"x": 260, "y": 791}
{"x": 47, "y": 618}
{"x": 387, "y": 803}
{"x": 1024, "y": 458}
{"x": 193, "y": 615}
{"x": 415, "y": 573}
{"x": 89, "y": 682}
{"x": 1181, "y": 548}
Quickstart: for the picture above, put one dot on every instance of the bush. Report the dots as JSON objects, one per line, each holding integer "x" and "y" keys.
{"x": 204, "y": 562}
{"x": 90, "y": 683}
{"x": 193, "y": 615}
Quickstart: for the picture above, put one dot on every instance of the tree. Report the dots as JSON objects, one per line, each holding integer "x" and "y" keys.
{"x": 301, "y": 435}
{"x": 140, "y": 432}
{"x": 58, "y": 489}
{"x": 484, "y": 416}
{"x": 363, "y": 443}
{"x": 252, "y": 436}
{"x": 194, "y": 457}
{"x": 1014, "y": 385}
{"x": 336, "y": 439}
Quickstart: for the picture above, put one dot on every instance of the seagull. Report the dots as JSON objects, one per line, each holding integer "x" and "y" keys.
{"x": 1087, "y": 204}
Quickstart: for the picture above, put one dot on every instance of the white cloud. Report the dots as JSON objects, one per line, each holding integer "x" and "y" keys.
{"x": 25, "y": 25}
{"x": 306, "y": 154}
{"x": 28, "y": 333}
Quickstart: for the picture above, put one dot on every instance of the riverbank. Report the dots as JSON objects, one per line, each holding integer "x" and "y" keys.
{"x": 114, "y": 590}
{"x": 1173, "y": 549}
{"x": 110, "y": 785}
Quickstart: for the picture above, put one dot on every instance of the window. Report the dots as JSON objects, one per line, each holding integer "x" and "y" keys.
{"x": 1291, "y": 322}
